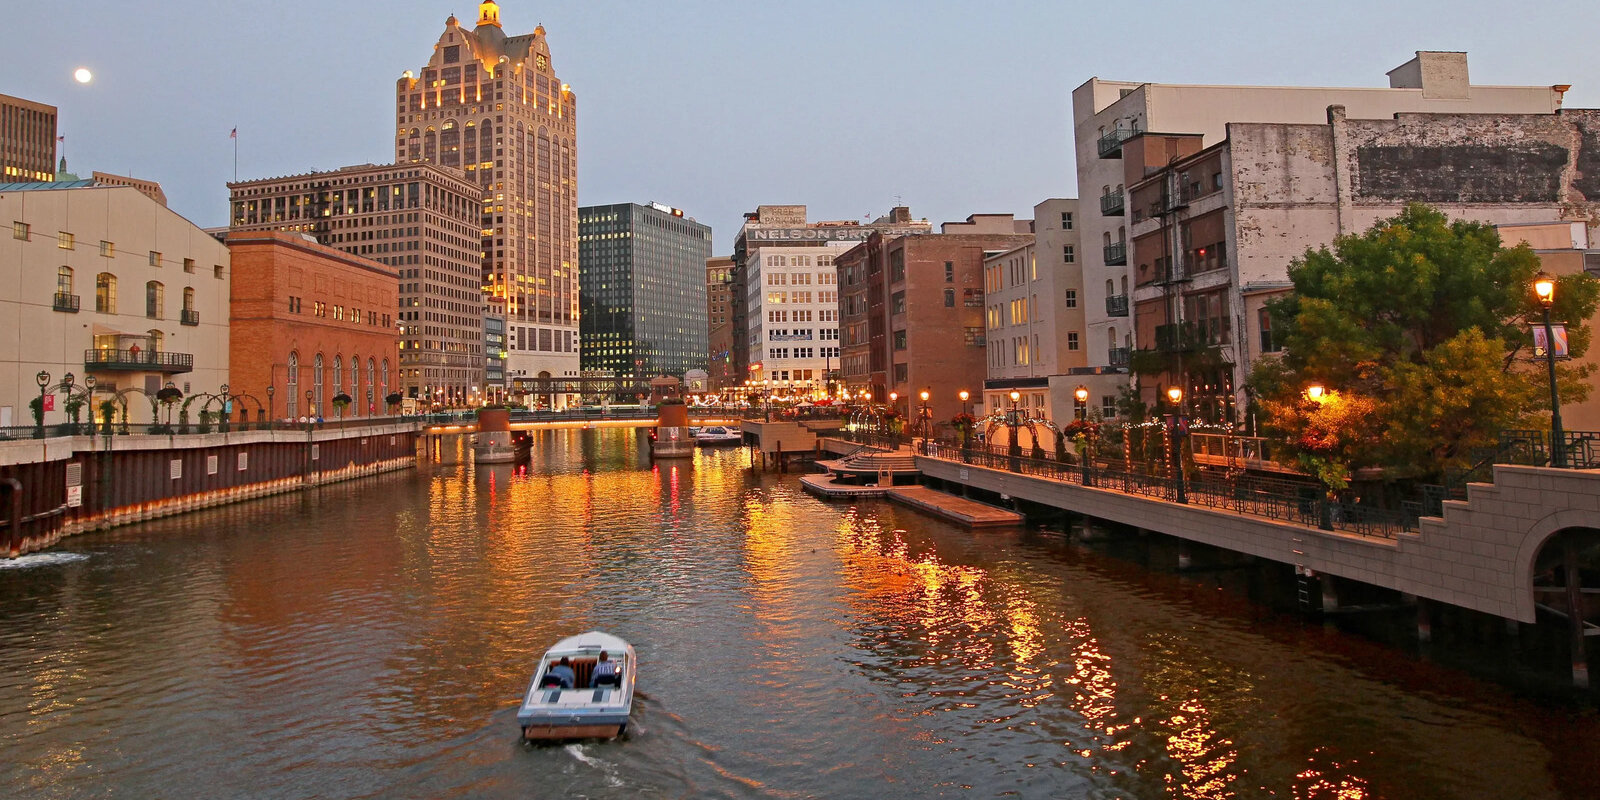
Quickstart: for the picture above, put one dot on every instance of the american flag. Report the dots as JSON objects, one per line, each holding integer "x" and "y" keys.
{"x": 233, "y": 134}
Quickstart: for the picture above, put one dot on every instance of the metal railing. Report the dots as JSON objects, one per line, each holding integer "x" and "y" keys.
{"x": 1118, "y": 356}
{"x": 65, "y": 302}
{"x": 183, "y": 428}
{"x": 1116, "y": 253}
{"x": 148, "y": 360}
{"x": 1111, "y": 143}
{"x": 1111, "y": 205}
{"x": 1117, "y": 305}
{"x": 188, "y": 317}
{"x": 1579, "y": 449}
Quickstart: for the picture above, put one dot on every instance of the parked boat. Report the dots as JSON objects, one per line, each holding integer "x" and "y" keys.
{"x": 718, "y": 435}
{"x": 553, "y": 710}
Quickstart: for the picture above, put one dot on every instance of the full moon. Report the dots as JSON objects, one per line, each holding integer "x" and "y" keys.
{"x": 83, "y": 75}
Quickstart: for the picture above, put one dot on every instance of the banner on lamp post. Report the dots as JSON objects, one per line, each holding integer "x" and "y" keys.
{"x": 1540, "y": 346}
{"x": 49, "y": 402}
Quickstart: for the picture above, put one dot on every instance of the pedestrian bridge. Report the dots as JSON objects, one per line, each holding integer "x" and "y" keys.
{"x": 595, "y": 418}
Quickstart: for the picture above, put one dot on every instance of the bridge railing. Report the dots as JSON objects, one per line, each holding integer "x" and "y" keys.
{"x": 184, "y": 428}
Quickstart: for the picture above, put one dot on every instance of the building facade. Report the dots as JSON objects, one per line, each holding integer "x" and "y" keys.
{"x": 421, "y": 219}
{"x": 643, "y": 290}
{"x": 492, "y": 106}
{"x": 311, "y": 324}
{"x": 792, "y": 295}
{"x": 27, "y": 140}
{"x": 1107, "y": 114}
{"x": 105, "y": 282}
{"x": 719, "y": 325}
{"x": 494, "y": 353}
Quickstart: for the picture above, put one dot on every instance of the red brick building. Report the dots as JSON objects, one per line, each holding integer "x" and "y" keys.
{"x": 310, "y": 323}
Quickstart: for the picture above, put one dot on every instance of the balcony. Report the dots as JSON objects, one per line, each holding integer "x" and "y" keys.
{"x": 1116, "y": 254}
{"x": 66, "y": 302}
{"x": 1111, "y": 205}
{"x": 95, "y": 360}
{"x": 1168, "y": 203}
{"x": 1185, "y": 336}
{"x": 1111, "y": 143}
{"x": 1117, "y": 356}
{"x": 1117, "y": 305}
{"x": 188, "y": 317}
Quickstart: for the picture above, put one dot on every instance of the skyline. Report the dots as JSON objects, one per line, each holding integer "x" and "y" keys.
{"x": 950, "y": 117}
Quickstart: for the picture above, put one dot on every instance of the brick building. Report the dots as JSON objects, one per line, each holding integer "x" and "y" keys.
{"x": 310, "y": 322}
{"x": 719, "y": 324}
{"x": 27, "y": 140}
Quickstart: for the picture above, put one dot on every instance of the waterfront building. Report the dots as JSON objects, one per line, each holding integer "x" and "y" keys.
{"x": 913, "y": 312}
{"x": 311, "y": 323}
{"x": 27, "y": 140}
{"x": 491, "y": 105}
{"x": 1213, "y": 229}
{"x": 104, "y": 282}
{"x": 719, "y": 324}
{"x": 494, "y": 351}
{"x": 787, "y": 225}
{"x": 1107, "y": 114}
{"x": 643, "y": 289}
{"x": 792, "y": 300}
{"x": 421, "y": 219}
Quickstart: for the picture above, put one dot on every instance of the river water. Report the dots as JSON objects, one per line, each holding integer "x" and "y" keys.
{"x": 372, "y": 639}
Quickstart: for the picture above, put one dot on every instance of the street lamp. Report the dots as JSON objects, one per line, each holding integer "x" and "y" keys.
{"x": 1015, "y": 421}
{"x": 43, "y": 379}
{"x": 1175, "y": 441}
{"x": 88, "y": 385}
{"x": 1545, "y": 289}
{"x": 1082, "y": 395}
{"x": 1316, "y": 392}
{"x": 272, "y": 413}
{"x": 927, "y": 421}
{"x": 227, "y": 408}
{"x": 311, "y": 413}
{"x": 964, "y": 394}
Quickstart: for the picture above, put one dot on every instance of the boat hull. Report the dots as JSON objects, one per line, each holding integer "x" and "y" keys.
{"x": 554, "y": 713}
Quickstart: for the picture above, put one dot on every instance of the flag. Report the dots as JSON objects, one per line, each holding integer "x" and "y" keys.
{"x": 234, "y": 134}
{"x": 61, "y": 138}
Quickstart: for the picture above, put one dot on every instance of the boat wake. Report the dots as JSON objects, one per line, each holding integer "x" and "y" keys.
{"x": 41, "y": 560}
{"x": 607, "y": 768}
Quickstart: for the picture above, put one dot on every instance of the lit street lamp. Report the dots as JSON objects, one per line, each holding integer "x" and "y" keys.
{"x": 927, "y": 421}
{"x": 1175, "y": 441}
{"x": 1545, "y": 288}
{"x": 43, "y": 379}
{"x": 1082, "y": 396}
{"x": 1014, "y": 420}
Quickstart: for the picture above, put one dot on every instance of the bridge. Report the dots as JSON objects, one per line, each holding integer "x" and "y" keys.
{"x": 467, "y": 422}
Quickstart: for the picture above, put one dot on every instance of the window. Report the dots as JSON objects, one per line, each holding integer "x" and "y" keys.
{"x": 899, "y": 340}
{"x": 155, "y": 258}
{"x": 902, "y": 373}
{"x": 105, "y": 293}
{"x": 19, "y": 230}
{"x": 1072, "y": 340}
{"x": 107, "y": 249}
{"x": 949, "y": 272}
{"x": 64, "y": 240}
{"x": 155, "y": 296}
{"x": 1267, "y": 343}
{"x": 949, "y": 298}
{"x": 293, "y": 382}
{"x": 188, "y": 299}
{"x": 188, "y": 265}
{"x": 1108, "y": 407}
{"x": 897, "y": 303}
{"x": 1066, "y": 220}
{"x": 64, "y": 280}
{"x": 316, "y": 386}
{"x": 1067, "y": 254}
{"x": 1072, "y": 298}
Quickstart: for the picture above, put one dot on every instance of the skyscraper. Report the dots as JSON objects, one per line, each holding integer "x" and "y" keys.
{"x": 27, "y": 140}
{"x": 492, "y": 106}
{"x": 644, "y": 290}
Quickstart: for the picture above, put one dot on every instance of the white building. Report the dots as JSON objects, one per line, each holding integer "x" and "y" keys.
{"x": 1108, "y": 113}
{"x": 104, "y": 281}
{"x": 792, "y": 295}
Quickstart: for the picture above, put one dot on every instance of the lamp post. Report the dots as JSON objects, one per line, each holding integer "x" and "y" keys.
{"x": 1015, "y": 422}
{"x": 1175, "y": 441}
{"x": 169, "y": 413}
{"x": 227, "y": 408}
{"x": 67, "y": 381}
{"x": 927, "y": 421}
{"x": 1082, "y": 396}
{"x": 311, "y": 413}
{"x": 43, "y": 378}
{"x": 1545, "y": 289}
{"x": 966, "y": 436}
{"x": 272, "y": 413}
{"x": 88, "y": 385}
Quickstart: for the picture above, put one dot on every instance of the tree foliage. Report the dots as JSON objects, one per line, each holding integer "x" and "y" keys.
{"x": 1419, "y": 330}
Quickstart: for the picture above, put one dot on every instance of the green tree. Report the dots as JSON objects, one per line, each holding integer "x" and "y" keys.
{"x": 1419, "y": 330}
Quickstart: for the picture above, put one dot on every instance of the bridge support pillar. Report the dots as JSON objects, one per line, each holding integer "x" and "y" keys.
{"x": 1424, "y": 619}
{"x": 1330, "y": 592}
{"x": 1574, "y": 580}
{"x": 1184, "y": 559}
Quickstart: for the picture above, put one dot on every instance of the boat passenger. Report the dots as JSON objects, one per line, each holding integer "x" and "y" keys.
{"x": 605, "y": 671}
{"x": 562, "y": 671}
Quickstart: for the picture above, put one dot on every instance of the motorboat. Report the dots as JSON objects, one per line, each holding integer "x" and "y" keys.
{"x": 587, "y": 708}
{"x": 718, "y": 435}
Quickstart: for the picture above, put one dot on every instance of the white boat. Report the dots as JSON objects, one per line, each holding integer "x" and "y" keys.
{"x": 551, "y": 710}
{"x": 717, "y": 434}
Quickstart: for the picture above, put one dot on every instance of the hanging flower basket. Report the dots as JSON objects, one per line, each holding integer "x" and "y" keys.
{"x": 169, "y": 395}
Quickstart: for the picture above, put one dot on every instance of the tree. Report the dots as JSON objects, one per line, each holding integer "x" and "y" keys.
{"x": 1419, "y": 330}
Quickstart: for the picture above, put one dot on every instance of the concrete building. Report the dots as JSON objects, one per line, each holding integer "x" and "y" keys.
{"x": 913, "y": 311}
{"x": 27, "y": 140}
{"x": 105, "y": 282}
{"x": 311, "y": 323}
{"x": 787, "y": 225}
{"x": 1107, "y": 114}
{"x": 492, "y": 106}
{"x": 792, "y": 299}
{"x": 643, "y": 290}
{"x": 494, "y": 353}
{"x": 1213, "y": 230}
{"x": 421, "y": 219}
{"x": 719, "y": 323}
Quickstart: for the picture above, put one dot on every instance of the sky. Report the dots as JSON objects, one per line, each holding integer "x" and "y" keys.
{"x": 717, "y": 106}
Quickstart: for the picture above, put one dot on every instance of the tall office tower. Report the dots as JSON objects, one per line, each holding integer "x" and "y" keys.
{"x": 719, "y": 323}
{"x": 644, "y": 291}
{"x": 27, "y": 140}
{"x": 418, "y": 218}
{"x": 491, "y": 105}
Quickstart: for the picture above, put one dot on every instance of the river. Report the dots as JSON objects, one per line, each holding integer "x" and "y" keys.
{"x": 372, "y": 639}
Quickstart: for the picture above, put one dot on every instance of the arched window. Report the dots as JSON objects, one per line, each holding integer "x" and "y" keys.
{"x": 338, "y": 374}
{"x": 64, "y": 280}
{"x": 1105, "y": 238}
{"x": 157, "y": 338}
{"x": 355, "y": 383}
{"x": 1111, "y": 288}
{"x": 384, "y": 387}
{"x": 949, "y": 298}
{"x": 291, "y": 406}
{"x": 155, "y": 299}
{"x": 372, "y": 385}
{"x": 1124, "y": 284}
{"x": 105, "y": 293}
{"x": 1122, "y": 233}
{"x": 188, "y": 298}
{"x": 316, "y": 386}
{"x": 1111, "y": 337}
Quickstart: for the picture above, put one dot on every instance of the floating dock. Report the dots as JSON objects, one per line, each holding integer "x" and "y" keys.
{"x": 825, "y": 486}
{"x": 971, "y": 513}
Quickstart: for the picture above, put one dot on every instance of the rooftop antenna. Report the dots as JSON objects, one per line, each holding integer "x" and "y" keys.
{"x": 897, "y": 202}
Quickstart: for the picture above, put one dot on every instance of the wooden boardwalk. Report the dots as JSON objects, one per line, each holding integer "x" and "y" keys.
{"x": 971, "y": 513}
{"x": 824, "y": 486}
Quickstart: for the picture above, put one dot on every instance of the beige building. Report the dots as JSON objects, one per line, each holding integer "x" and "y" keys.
{"x": 27, "y": 140}
{"x": 420, "y": 219}
{"x": 106, "y": 282}
{"x": 792, "y": 294}
{"x": 492, "y": 106}
{"x": 1107, "y": 114}
{"x": 150, "y": 189}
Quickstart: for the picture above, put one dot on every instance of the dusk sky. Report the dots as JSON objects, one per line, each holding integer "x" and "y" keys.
{"x": 718, "y": 106}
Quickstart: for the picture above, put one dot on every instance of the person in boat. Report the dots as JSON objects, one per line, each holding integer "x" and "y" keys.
{"x": 605, "y": 671}
{"x": 562, "y": 671}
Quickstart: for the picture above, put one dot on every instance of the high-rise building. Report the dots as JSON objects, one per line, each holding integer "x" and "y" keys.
{"x": 719, "y": 323}
{"x": 1108, "y": 114}
{"x": 643, "y": 279}
{"x": 420, "y": 219}
{"x": 27, "y": 140}
{"x": 492, "y": 106}
{"x": 793, "y": 332}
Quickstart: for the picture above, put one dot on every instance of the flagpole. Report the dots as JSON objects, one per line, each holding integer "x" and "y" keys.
{"x": 235, "y": 138}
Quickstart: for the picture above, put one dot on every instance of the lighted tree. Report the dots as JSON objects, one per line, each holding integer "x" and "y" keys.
{"x": 1418, "y": 328}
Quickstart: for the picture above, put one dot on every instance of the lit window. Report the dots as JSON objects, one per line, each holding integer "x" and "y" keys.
{"x": 155, "y": 258}
{"x": 64, "y": 240}
{"x": 107, "y": 249}
{"x": 19, "y": 230}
